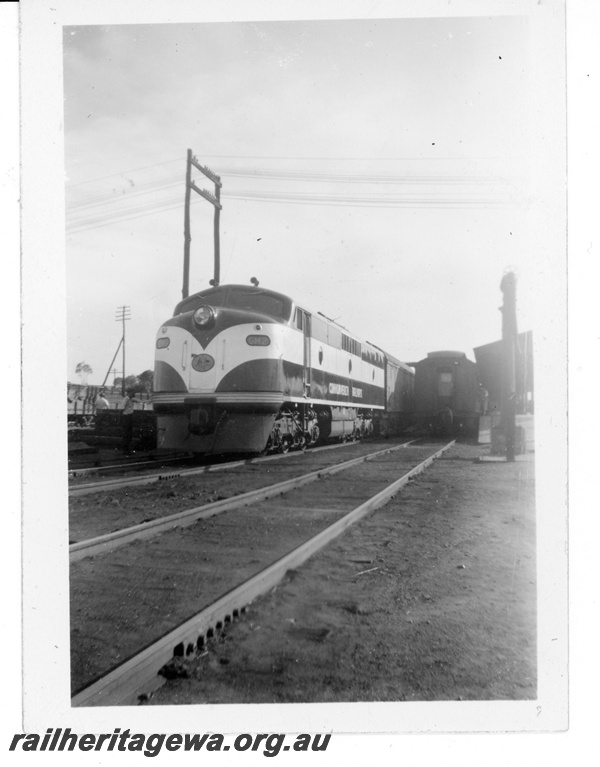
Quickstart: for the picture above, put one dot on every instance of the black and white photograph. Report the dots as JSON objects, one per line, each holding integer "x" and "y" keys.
{"x": 301, "y": 271}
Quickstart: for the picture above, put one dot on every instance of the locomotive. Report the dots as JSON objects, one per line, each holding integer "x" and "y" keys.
{"x": 243, "y": 369}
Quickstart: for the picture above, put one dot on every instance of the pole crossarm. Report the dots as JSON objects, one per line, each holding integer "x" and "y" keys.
{"x": 207, "y": 172}
{"x": 207, "y": 196}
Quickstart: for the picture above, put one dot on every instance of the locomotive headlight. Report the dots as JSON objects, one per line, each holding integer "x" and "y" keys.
{"x": 204, "y": 316}
{"x": 162, "y": 343}
{"x": 258, "y": 340}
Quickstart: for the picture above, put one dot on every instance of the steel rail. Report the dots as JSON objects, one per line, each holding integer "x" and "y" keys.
{"x": 111, "y": 541}
{"x": 161, "y": 476}
{"x": 72, "y": 473}
{"x": 126, "y": 683}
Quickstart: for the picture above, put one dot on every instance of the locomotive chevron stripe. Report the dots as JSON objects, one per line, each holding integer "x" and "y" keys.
{"x": 166, "y": 378}
{"x": 224, "y": 319}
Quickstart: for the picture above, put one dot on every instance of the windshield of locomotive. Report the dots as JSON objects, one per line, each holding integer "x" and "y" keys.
{"x": 247, "y": 299}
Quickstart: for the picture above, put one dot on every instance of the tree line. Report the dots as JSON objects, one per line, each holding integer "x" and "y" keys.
{"x": 141, "y": 384}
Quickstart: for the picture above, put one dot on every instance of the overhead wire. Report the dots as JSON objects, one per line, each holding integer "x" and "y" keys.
{"x": 362, "y": 202}
{"x": 80, "y": 212}
{"x": 137, "y": 190}
{"x": 288, "y": 174}
{"x": 118, "y": 195}
{"x": 129, "y": 171}
{"x": 174, "y": 203}
{"x": 121, "y": 173}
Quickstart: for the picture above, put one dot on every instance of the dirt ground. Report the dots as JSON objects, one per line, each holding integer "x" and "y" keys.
{"x": 123, "y": 599}
{"x": 432, "y": 597}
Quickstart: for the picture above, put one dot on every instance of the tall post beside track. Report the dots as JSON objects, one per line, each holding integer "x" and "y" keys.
{"x": 508, "y": 286}
{"x": 123, "y": 314}
{"x": 217, "y": 275}
{"x": 187, "y": 237}
{"x": 215, "y": 201}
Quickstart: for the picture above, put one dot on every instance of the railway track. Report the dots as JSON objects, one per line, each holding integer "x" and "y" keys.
{"x": 117, "y": 483}
{"x": 126, "y": 465}
{"x": 111, "y": 541}
{"x": 136, "y": 595}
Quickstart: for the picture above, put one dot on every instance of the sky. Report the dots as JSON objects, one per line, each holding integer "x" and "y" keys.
{"x": 380, "y": 171}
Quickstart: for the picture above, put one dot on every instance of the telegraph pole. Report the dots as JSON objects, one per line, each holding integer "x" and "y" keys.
{"x": 187, "y": 237}
{"x": 217, "y": 223}
{"x": 123, "y": 314}
{"x": 215, "y": 201}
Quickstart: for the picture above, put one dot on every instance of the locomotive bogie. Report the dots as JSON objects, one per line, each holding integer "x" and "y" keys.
{"x": 294, "y": 428}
